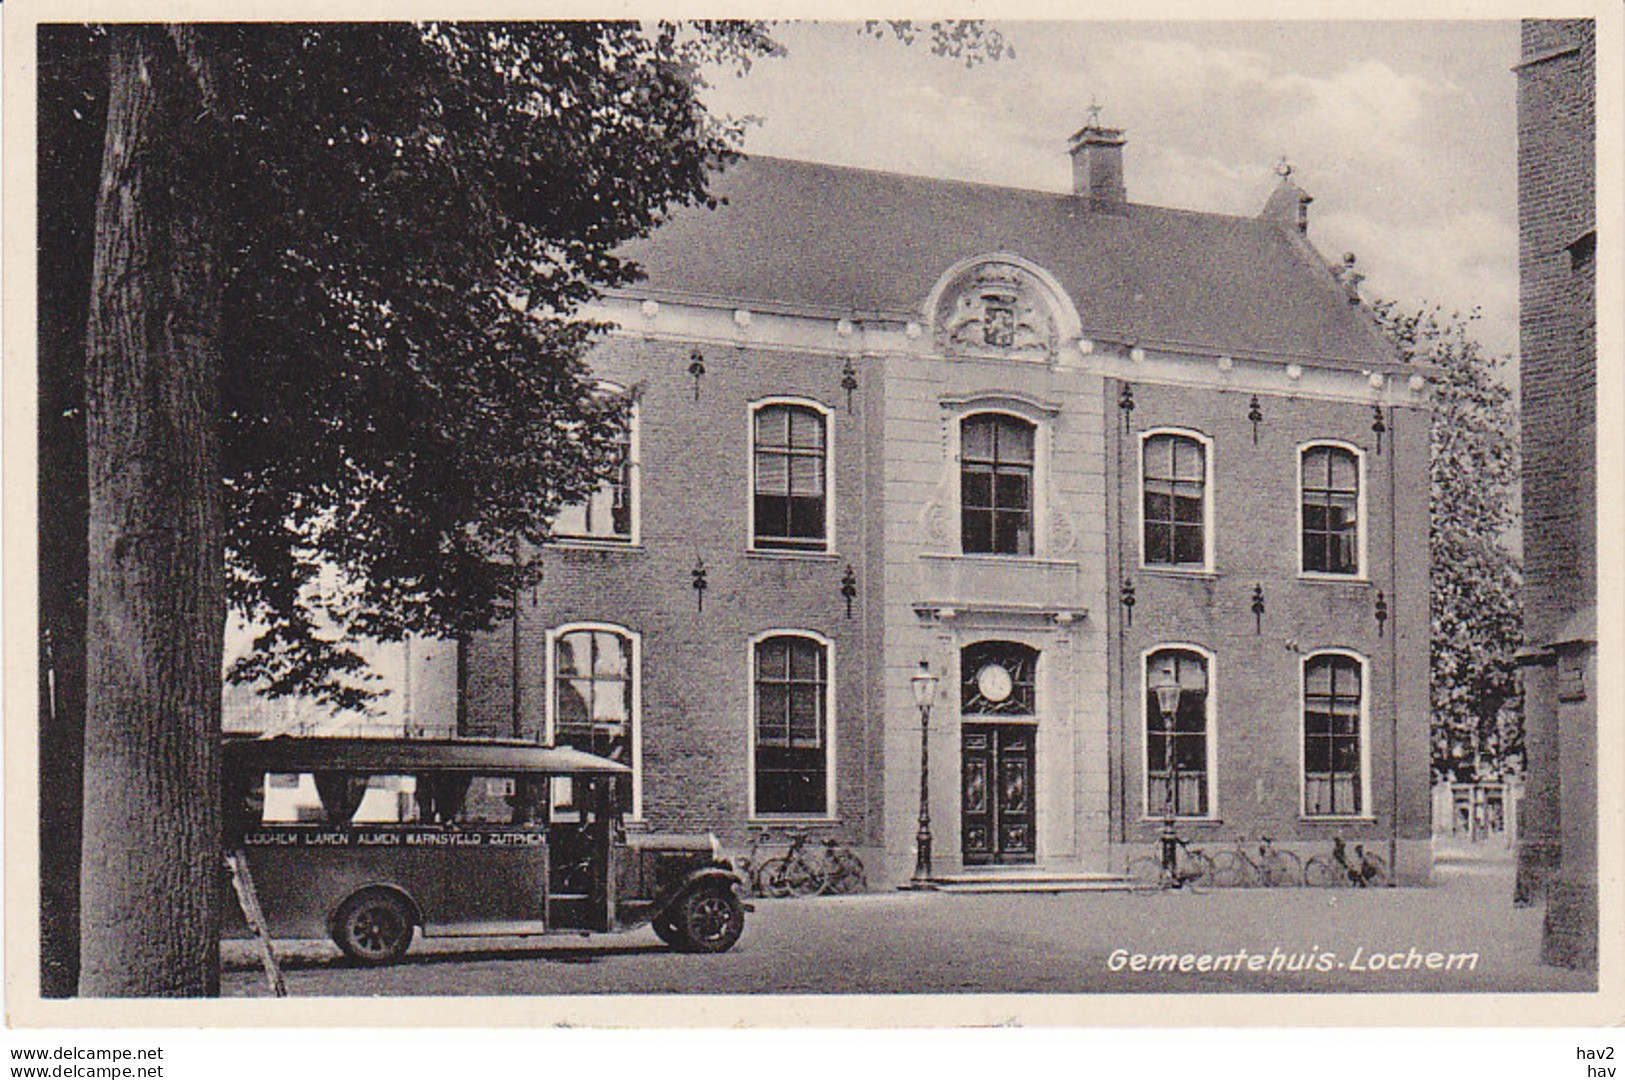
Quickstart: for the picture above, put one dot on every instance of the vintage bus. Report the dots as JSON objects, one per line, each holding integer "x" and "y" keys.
{"x": 369, "y": 841}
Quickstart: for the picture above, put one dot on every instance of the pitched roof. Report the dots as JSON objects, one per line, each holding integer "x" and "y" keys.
{"x": 800, "y": 236}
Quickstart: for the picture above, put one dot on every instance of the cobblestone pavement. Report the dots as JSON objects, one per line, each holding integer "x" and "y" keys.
{"x": 899, "y": 942}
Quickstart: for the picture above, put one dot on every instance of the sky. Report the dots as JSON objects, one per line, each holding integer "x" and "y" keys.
{"x": 1403, "y": 132}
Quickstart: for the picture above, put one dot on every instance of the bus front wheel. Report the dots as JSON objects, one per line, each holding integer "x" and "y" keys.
{"x": 709, "y": 920}
{"x": 374, "y": 927}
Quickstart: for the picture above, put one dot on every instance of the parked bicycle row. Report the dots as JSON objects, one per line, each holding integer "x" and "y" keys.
{"x": 1260, "y": 866}
{"x": 803, "y": 868}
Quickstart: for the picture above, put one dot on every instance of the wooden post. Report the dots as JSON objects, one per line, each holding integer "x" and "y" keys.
{"x": 243, "y": 883}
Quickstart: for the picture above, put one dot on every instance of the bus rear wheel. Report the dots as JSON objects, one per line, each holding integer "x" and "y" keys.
{"x": 374, "y": 927}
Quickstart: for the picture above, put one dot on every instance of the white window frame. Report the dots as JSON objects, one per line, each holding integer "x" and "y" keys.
{"x": 828, "y": 416}
{"x": 1209, "y": 500}
{"x": 635, "y": 720}
{"x": 1015, "y": 409}
{"x": 1148, "y": 812}
{"x": 1367, "y": 812}
{"x": 634, "y": 479}
{"x": 1361, "y": 571}
{"x": 831, "y": 812}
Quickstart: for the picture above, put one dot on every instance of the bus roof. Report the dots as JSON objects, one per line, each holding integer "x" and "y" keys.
{"x": 320, "y": 753}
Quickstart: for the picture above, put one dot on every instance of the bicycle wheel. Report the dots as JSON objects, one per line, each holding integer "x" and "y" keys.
{"x": 803, "y": 878}
{"x": 1145, "y": 874}
{"x": 1196, "y": 870}
{"x": 772, "y": 878}
{"x": 1282, "y": 869}
{"x": 1324, "y": 872}
{"x": 846, "y": 872}
{"x": 1374, "y": 870}
{"x": 1231, "y": 871}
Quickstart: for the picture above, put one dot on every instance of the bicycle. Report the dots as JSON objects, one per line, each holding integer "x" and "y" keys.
{"x": 1274, "y": 867}
{"x": 792, "y": 874}
{"x": 845, "y": 869}
{"x": 749, "y": 865}
{"x": 1192, "y": 870}
{"x": 1367, "y": 871}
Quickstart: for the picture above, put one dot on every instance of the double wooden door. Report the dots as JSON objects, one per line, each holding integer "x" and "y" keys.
{"x": 996, "y": 793}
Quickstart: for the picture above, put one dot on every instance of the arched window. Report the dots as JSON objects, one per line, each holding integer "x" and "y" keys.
{"x": 1330, "y": 492}
{"x": 790, "y": 459}
{"x": 996, "y": 484}
{"x": 1177, "y": 745}
{"x": 998, "y": 678}
{"x": 791, "y": 726}
{"x": 610, "y": 512}
{"x": 1333, "y": 736}
{"x": 1174, "y": 508}
{"x": 593, "y": 694}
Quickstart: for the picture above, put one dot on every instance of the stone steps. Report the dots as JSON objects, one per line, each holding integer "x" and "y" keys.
{"x": 1029, "y": 881}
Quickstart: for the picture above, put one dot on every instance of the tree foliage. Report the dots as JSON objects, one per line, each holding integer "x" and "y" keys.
{"x": 1477, "y": 623}
{"x": 392, "y": 227}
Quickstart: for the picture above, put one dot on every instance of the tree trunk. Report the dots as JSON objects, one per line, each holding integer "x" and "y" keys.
{"x": 151, "y": 877}
{"x": 72, "y": 121}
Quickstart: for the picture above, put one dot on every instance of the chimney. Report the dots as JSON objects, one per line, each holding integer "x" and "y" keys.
{"x": 1288, "y": 204}
{"x": 1097, "y": 165}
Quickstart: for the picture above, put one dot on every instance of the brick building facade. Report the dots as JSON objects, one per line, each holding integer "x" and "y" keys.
{"x": 1557, "y": 856}
{"x": 1061, "y": 447}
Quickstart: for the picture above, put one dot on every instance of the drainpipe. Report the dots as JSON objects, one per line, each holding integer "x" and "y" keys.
{"x": 1393, "y": 655}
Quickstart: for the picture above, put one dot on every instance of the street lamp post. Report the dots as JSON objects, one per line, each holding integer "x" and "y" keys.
{"x": 1167, "y": 690}
{"x": 924, "y": 685}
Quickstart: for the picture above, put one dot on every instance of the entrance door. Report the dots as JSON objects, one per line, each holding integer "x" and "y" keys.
{"x": 996, "y": 808}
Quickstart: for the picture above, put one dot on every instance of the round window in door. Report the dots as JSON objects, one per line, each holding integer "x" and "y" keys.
{"x": 998, "y": 710}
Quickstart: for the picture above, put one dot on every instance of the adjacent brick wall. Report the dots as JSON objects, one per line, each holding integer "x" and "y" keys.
{"x": 1556, "y": 221}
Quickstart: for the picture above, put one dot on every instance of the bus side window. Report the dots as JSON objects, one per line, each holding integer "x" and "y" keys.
{"x": 564, "y": 809}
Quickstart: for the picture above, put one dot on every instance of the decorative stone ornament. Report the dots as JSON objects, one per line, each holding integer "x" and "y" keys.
{"x": 1137, "y": 355}
{"x": 1226, "y": 363}
{"x": 696, "y": 368}
{"x": 996, "y": 309}
{"x": 912, "y": 331}
{"x": 1416, "y": 383}
{"x": 1086, "y": 347}
{"x": 1294, "y": 372}
{"x": 849, "y": 382}
{"x": 1125, "y": 404}
{"x": 843, "y": 327}
{"x": 650, "y": 308}
{"x": 697, "y": 576}
{"x": 741, "y": 318}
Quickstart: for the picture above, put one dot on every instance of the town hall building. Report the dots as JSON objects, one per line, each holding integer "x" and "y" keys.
{"x": 1066, "y": 450}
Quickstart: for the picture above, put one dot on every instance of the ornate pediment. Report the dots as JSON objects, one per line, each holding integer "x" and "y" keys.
{"x": 996, "y": 308}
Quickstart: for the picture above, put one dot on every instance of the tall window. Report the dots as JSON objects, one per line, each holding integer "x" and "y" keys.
{"x": 593, "y": 692}
{"x": 792, "y": 726}
{"x": 1180, "y": 757}
{"x": 791, "y": 454}
{"x": 607, "y": 513}
{"x": 1174, "y": 474}
{"x": 1331, "y": 503}
{"x": 1332, "y": 784}
{"x": 996, "y": 485}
